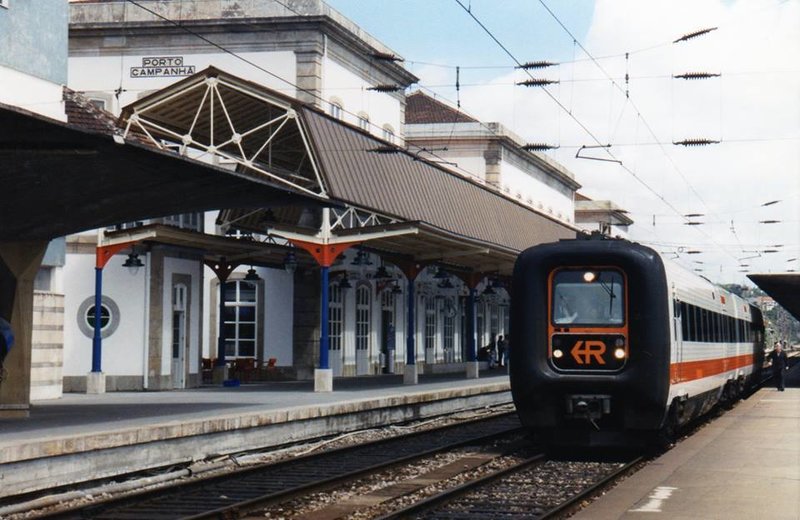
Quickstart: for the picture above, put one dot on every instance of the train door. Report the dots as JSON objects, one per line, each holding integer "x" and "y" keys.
{"x": 678, "y": 328}
{"x": 387, "y": 332}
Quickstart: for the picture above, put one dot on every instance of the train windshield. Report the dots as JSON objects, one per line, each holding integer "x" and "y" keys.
{"x": 588, "y": 298}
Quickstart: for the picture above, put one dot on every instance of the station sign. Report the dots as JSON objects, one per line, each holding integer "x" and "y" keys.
{"x": 162, "y": 67}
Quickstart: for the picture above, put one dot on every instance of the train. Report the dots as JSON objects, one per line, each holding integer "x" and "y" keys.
{"x": 615, "y": 345}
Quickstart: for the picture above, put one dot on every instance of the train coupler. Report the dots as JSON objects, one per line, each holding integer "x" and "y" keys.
{"x": 588, "y": 407}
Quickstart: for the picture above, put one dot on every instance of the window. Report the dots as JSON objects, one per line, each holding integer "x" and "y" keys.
{"x": 99, "y": 103}
{"x": 336, "y": 108}
{"x": 105, "y": 316}
{"x": 362, "y": 317}
{"x": 335, "y": 317}
{"x": 583, "y": 297}
{"x": 44, "y": 280}
{"x": 430, "y": 323}
{"x": 363, "y": 121}
{"x": 240, "y": 319}
{"x": 185, "y": 221}
{"x": 449, "y": 330}
{"x": 388, "y": 133}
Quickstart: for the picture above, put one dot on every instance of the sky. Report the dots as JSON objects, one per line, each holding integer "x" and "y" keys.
{"x": 752, "y": 108}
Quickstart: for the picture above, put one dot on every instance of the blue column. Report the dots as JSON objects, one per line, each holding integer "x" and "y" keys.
{"x": 410, "y": 351}
{"x": 97, "y": 340}
{"x": 472, "y": 353}
{"x": 324, "y": 337}
{"x": 221, "y": 339}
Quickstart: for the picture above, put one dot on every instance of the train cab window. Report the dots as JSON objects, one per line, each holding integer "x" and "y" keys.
{"x": 588, "y": 298}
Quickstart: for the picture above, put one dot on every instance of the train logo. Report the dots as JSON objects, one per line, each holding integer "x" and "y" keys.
{"x": 584, "y": 351}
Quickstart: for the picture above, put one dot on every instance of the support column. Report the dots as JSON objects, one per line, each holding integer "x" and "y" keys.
{"x": 19, "y": 262}
{"x": 324, "y": 254}
{"x": 411, "y": 372}
{"x": 96, "y": 379}
{"x": 323, "y": 376}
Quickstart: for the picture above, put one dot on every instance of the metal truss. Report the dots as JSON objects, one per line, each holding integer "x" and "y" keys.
{"x": 353, "y": 218}
{"x": 218, "y": 119}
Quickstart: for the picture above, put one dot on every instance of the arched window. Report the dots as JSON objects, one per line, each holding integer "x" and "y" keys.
{"x": 388, "y": 133}
{"x": 363, "y": 121}
{"x": 362, "y": 317}
{"x": 336, "y": 107}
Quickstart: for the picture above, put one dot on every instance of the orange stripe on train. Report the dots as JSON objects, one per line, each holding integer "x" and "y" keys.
{"x": 693, "y": 370}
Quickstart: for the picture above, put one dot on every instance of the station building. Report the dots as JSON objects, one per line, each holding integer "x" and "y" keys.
{"x": 423, "y": 244}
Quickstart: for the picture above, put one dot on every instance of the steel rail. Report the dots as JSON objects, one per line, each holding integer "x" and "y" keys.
{"x": 591, "y": 490}
{"x": 378, "y": 454}
{"x": 448, "y": 495}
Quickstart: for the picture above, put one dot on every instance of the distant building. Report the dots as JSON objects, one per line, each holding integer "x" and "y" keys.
{"x": 603, "y": 216}
{"x": 491, "y": 154}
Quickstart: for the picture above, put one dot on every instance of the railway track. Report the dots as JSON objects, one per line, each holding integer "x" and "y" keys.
{"x": 535, "y": 487}
{"x": 235, "y": 494}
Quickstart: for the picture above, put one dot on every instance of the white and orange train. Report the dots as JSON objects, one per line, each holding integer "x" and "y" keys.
{"x": 614, "y": 345}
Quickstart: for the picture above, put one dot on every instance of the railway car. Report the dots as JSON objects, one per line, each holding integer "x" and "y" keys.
{"x": 614, "y": 345}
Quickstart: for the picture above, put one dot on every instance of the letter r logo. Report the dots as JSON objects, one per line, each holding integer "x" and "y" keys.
{"x": 584, "y": 351}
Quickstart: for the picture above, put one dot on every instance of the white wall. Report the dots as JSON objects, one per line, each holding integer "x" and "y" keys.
{"x": 123, "y": 350}
{"x": 382, "y": 108}
{"x": 277, "y": 337}
{"x": 547, "y": 194}
{"x": 32, "y": 94}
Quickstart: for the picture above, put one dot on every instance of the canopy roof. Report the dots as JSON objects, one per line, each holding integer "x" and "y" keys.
{"x": 445, "y": 217}
{"x": 60, "y": 178}
{"x": 784, "y": 288}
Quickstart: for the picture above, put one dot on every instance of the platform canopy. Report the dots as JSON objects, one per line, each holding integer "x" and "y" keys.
{"x": 784, "y": 288}
{"x": 398, "y": 203}
{"x": 60, "y": 178}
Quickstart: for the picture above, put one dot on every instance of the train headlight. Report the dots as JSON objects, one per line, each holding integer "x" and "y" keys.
{"x": 619, "y": 353}
{"x": 558, "y": 354}
{"x": 619, "y": 342}
{"x": 589, "y": 276}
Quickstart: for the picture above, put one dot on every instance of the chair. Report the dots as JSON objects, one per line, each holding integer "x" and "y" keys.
{"x": 243, "y": 368}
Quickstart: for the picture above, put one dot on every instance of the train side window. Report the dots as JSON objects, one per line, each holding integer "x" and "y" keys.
{"x": 692, "y": 323}
{"x": 717, "y": 328}
{"x": 684, "y": 321}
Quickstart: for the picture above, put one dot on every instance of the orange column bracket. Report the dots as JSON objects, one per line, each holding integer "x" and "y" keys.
{"x": 104, "y": 253}
{"x": 324, "y": 254}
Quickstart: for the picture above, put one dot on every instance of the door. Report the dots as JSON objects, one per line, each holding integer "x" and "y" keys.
{"x": 363, "y": 329}
{"x": 335, "y": 326}
{"x": 387, "y": 332}
{"x": 179, "y": 336}
{"x": 679, "y": 328}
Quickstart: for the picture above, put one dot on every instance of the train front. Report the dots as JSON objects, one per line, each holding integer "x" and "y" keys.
{"x": 591, "y": 347}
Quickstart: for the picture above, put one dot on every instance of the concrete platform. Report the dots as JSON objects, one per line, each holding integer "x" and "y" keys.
{"x": 744, "y": 465}
{"x": 81, "y": 437}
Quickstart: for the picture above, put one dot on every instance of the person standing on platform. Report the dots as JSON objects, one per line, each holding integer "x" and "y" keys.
{"x": 501, "y": 350}
{"x": 780, "y": 364}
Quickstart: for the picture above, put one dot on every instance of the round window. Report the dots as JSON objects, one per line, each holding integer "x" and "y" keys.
{"x": 105, "y": 316}
{"x": 109, "y": 317}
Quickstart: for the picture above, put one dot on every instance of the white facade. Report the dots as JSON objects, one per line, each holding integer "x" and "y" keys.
{"x": 31, "y": 93}
{"x": 493, "y": 155}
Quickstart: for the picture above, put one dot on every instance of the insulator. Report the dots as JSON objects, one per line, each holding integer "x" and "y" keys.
{"x": 385, "y": 149}
{"x": 535, "y": 65}
{"x": 696, "y": 142}
{"x": 386, "y": 56}
{"x": 697, "y": 75}
{"x": 536, "y": 82}
{"x": 692, "y": 215}
{"x": 693, "y": 223}
{"x": 769, "y": 221}
{"x": 694, "y": 34}
{"x": 386, "y": 88}
{"x": 538, "y": 147}
{"x": 693, "y": 252}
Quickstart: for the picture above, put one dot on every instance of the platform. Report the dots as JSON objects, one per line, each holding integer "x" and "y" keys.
{"x": 743, "y": 465}
{"x": 94, "y": 436}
